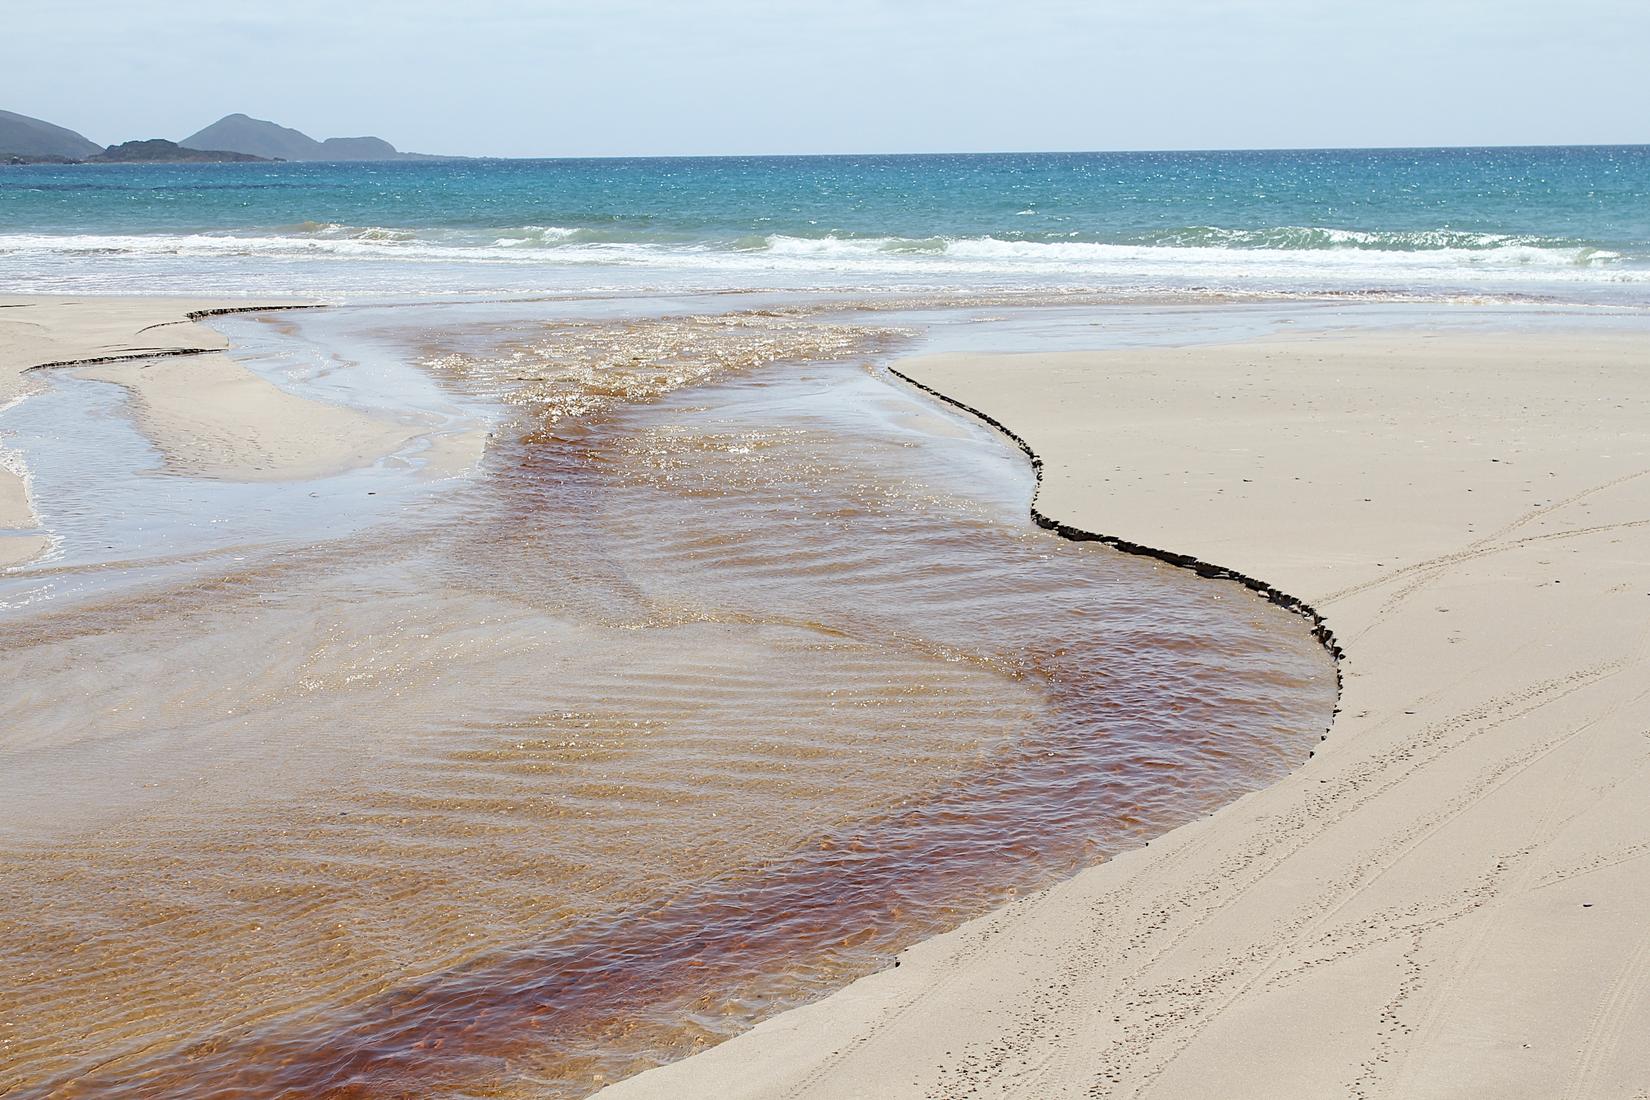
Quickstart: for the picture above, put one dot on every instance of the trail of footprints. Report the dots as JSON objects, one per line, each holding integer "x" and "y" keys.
{"x": 1159, "y": 1020}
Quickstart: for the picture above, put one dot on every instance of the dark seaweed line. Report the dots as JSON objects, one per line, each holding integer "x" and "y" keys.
{"x": 96, "y": 360}
{"x": 225, "y": 311}
{"x": 165, "y": 353}
{"x": 1320, "y": 626}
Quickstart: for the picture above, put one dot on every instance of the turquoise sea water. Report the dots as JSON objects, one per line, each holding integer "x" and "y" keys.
{"x": 1568, "y": 223}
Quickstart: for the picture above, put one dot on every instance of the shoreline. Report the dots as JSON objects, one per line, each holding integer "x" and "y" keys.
{"x": 1207, "y": 570}
{"x": 1294, "y": 942}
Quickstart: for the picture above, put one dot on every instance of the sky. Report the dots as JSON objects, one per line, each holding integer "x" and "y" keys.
{"x": 651, "y": 77}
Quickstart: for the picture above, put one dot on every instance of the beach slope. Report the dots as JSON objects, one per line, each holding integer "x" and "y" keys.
{"x": 1453, "y": 897}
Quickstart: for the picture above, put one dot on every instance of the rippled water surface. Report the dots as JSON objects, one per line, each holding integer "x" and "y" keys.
{"x": 735, "y": 669}
{"x": 1564, "y": 222}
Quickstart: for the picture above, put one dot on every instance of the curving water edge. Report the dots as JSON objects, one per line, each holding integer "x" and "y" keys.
{"x": 476, "y": 1012}
{"x": 1320, "y": 625}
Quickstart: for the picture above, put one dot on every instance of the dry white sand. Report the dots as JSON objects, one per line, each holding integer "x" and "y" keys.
{"x": 1453, "y": 898}
{"x": 207, "y": 414}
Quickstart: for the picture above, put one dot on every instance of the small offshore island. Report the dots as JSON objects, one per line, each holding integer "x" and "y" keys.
{"x": 161, "y": 151}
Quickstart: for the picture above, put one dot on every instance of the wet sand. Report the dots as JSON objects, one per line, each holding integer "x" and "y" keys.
{"x": 1451, "y": 898}
{"x": 206, "y": 413}
{"x": 732, "y": 670}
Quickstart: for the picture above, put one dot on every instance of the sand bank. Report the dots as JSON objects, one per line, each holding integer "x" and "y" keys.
{"x": 1452, "y": 898}
{"x": 207, "y": 414}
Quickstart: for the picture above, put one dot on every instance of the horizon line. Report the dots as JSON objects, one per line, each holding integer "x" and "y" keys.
{"x": 1374, "y": 148}
{"x": 420, "y": 157}
{"x": 1050, "y": 152}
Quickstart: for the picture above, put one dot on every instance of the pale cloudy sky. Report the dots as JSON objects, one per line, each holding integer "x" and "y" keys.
{"x": 624, "y": 77}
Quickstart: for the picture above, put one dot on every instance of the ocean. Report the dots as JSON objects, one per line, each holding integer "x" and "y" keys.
{"x": 1563, "y": 223}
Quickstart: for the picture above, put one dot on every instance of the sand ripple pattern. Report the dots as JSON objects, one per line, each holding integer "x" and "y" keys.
{"x": 736, "y": 673}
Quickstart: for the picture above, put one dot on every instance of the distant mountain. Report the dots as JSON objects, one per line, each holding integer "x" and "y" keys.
{"x": 22, "y": 136}
{"x": 161, "y": 151}
{"x": 241, "y": 134}
{"x": 231, "y": 138}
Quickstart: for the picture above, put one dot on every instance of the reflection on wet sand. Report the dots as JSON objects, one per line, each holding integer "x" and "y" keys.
{"x": 736, "y": 670}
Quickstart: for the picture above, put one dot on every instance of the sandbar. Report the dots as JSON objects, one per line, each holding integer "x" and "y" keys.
{"x": 207, "y": 414}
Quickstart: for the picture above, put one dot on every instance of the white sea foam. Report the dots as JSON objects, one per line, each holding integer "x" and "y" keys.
{"x": 1286, "y": 258}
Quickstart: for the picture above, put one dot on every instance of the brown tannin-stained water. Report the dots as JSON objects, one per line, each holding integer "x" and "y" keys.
{"x": 735, "y": 670}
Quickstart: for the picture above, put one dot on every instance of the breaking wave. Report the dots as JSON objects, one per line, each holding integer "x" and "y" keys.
{"x": 1293, "y": 258}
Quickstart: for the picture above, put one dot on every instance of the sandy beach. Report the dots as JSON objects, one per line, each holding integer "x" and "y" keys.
{"x": 1450, "y": 899}
{"x": 1447, "y": 900}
